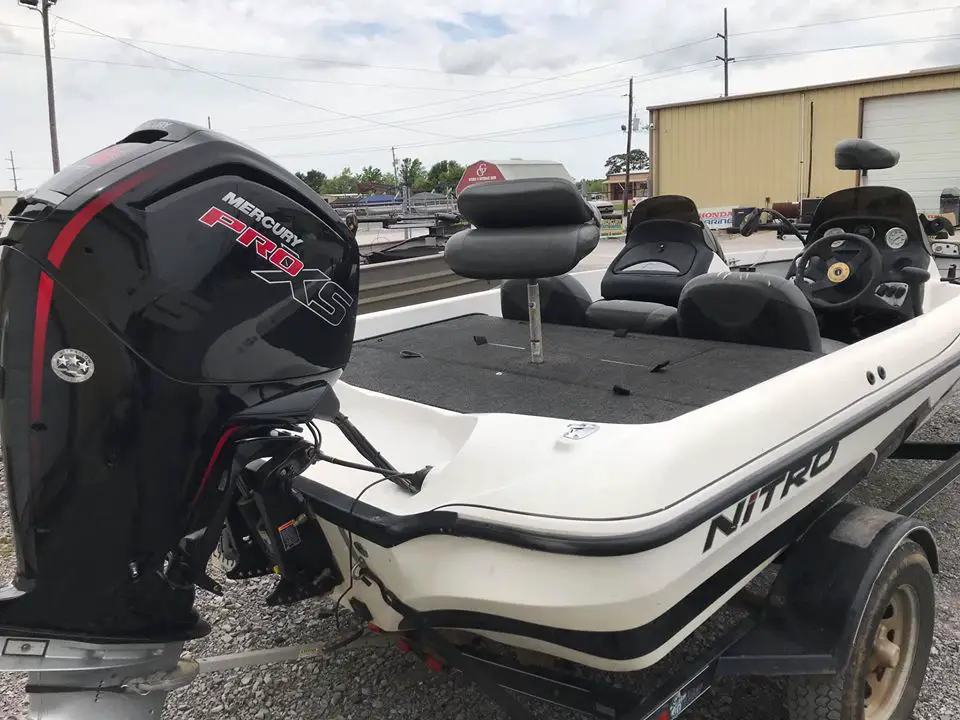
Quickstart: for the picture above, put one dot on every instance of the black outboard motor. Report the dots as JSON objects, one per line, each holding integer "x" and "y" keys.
{"x": 165, "y": 305}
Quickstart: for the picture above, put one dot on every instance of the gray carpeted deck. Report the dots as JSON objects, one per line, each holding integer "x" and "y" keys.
{"x": 457, "y": 370}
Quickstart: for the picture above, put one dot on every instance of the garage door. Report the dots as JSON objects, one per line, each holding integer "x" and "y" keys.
{"x": 925, "y": 128}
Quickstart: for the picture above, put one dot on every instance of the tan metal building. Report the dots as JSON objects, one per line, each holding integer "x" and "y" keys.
{"x": 764, "y": 148}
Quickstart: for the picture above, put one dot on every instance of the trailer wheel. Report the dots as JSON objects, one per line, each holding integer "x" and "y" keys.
{"x": 889, "y": 655}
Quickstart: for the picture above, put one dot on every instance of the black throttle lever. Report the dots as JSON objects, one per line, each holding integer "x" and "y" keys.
{"x": 914, "y": 275}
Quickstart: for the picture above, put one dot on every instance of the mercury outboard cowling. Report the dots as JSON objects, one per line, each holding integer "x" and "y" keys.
{"x": 153, "y": 296}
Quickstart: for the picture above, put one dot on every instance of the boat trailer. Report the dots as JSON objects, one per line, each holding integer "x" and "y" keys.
{"x": 798, "y": 630}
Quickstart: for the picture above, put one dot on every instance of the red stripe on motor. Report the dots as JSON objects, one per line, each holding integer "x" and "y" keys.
{"x": 87, "y": 213}
{"x": 213, "y": 461}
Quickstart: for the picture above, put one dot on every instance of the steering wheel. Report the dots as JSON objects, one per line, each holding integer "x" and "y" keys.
{"x": 838, "y": 279}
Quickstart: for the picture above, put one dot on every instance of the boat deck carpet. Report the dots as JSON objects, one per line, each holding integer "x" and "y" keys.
{"x": 481, "y": 364}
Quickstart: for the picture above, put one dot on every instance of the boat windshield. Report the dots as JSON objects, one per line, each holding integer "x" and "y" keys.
{"x": 871, "y": 201}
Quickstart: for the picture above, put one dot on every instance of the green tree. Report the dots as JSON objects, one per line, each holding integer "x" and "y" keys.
{"x": 412, "y": 173}
{"x": 370, "y": 174}
{"x": 345, "y": 182}
{"x": 315, "y": 179}
{"x": 618, "y": 163}
{"x": 443, "y": 176}
{"x": 596, "y": 186}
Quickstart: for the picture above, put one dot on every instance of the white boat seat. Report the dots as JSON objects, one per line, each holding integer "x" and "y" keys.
{"x": 633, "y": 315}
{"x": 750, "y": 308}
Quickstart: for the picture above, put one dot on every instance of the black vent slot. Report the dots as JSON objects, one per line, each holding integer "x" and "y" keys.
{"x": 145, "y": 136}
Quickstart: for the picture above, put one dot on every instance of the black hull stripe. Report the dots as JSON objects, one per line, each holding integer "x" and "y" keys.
{"x": 645, "y": 639}
{"x": 388, "y": 530}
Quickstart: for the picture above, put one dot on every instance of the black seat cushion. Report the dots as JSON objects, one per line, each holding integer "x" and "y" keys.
{"x": 526, "y": 228}
{"x": 563, "y": 300}
{"x": 633, "y": 315}
{"x": 658, "y": 259}
{"x": 750, "y": 308}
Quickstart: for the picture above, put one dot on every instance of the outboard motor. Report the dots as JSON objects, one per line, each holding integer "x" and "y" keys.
{"x": 167, "y": 306}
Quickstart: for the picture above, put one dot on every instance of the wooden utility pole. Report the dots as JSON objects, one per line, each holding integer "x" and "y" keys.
{"x": 43, "y": 6}
{"x": 13, "y": 169}
{"x": 626, "y": 180}
{"x": 726, "y": 59}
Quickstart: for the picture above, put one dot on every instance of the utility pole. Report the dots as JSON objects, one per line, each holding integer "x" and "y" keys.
{"x": 13, "y": 169}
{"x": 626, "y": 182}
{"x": 209, "y": 126}
{"x": 726, "y": 59}
{"x": 43, "y": 6}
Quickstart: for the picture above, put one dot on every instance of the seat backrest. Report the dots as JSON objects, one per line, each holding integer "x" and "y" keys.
{"x": 563, "y": 300}
{"x": 659, "y": 257}
{"x": 750, "y": 308}
{"x": 523, "y": 229}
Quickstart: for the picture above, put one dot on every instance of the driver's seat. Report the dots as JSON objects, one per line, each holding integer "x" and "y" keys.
{"x": 750, "y": 308}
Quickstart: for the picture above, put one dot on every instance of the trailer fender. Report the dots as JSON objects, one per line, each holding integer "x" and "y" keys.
{"x": 817, "y": 603}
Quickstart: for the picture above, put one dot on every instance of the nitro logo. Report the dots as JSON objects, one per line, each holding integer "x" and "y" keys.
{"x": 310, "y": 287}
{"x": 774, "y": 491}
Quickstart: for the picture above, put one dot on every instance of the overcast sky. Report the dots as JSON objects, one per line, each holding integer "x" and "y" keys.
{"x": 334, "y": 83}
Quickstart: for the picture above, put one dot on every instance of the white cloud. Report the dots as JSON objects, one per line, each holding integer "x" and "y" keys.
{"x": 429, "y": 64}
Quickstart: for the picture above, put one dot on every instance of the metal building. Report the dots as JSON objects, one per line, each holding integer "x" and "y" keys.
{"x": 764, "y": 148}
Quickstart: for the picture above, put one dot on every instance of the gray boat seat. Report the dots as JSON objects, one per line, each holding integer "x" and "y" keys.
{"x": 750, "y": 308}
{"x": 633, "y": 315}
{"x": 523, "y": 229}
{"x": 563, "y": 300}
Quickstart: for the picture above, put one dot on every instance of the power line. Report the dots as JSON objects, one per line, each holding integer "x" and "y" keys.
{"x": 287, "y": 78}
{"x": 885, "y": 43}
{"x": 299, "y": 58}
{"x": 289, "y": 99}
{"x": 366, "y": 119}
{"x": 432, "y": 143}
{"x": 409, "y": 68}
{"x": 499, "y": 134}
{"x": 563, "y": 76}
{"x": 453, "y": 114}
{"x": 821, "y": 23}
{"x": 509, "y": 104}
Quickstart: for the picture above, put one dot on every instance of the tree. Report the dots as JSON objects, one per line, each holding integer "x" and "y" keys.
{"x": 345, "y": 182}
{"x": 370, "y": 174}
{"x": 411, "y": 173}
{"x": 618, "y": 163}
{"x": 596, "y": 186}
{"x": 443, "y": 176}
{"x": 315, "y": 179}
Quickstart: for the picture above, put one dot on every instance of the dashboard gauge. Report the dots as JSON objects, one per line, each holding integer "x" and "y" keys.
{"x": 834, "y": 231}
{"x": 896, "y": 238}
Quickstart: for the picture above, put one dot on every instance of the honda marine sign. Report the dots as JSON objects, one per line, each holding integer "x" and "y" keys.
{"x": 482, "y": 171}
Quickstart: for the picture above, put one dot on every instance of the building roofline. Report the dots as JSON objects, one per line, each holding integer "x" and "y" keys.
{"x": 944, "y": 70}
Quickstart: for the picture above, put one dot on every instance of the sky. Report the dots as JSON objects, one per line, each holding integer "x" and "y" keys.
{"x": 329, "y": 84}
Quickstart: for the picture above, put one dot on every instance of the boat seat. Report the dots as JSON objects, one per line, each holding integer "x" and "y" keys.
{"x": 633, "y": 316}
{"x": 752, "y": 309}
{"x": 563, "y": 300}
{"x": 524, "y": 229}
{"x": 658, "y": 259}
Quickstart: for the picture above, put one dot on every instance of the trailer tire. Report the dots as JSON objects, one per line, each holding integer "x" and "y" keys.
{"x": 903, "y": 594}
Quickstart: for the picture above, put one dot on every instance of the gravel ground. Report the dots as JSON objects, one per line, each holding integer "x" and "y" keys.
{"x": 382, "y": 683}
